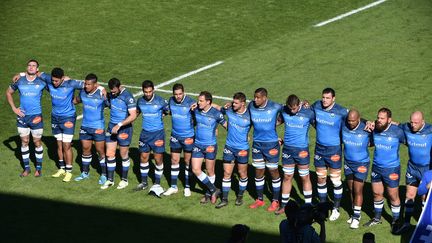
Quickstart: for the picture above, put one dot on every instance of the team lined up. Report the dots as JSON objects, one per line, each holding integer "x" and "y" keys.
{"x": 194, "y": 126}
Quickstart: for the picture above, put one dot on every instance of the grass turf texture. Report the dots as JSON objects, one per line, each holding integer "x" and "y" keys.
{"x": 380, "y": 57}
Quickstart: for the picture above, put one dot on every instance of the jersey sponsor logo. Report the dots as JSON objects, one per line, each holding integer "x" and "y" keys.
{"x": 159, "y": 143}
{"x": 210, "y": 149}
{"x": 123, "y": 135}
{"x": 189, "y": 141}
{"x": 393, "y": 176}
{"x": 68, "y": 124}
{"x": 99, "y": 131}
{"x": 335, "y": 158}
{"x": 37, "y": 120}
{"x": 273, "y": 152}
{"x": 303, "y": 154}
{"x": 362, "y": 169}
{"x": 242, "y": 153}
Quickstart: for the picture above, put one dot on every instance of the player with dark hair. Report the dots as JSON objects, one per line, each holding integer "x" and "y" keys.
{"x": 265, "y": 147}
{"x": 119, "y": 131}
{"x": 29, "y": 114}
{"x": 297, "y": 120}
{"x": 386, "y": 166}
{"x": 182, "y": 136}
{"x": 152, "y": 138}
{"x": 356, "y": 142}
{"x": 92, "y": 127}
{"x": 329, "y": 119}
{"x": 205, "y": 147}
{"x": 236, "y": 148}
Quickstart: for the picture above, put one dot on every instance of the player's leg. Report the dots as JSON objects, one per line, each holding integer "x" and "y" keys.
{"x": 187, "y": 159}
{"x": 358, "y": 177}
{"x": 378, "y": 197}
{"x": 175, "y": 171}
{"x": 243, "y": 181}
{"x": 158, "y": 147}
{"x": 413, "y": 176}
{"x": 111, "y": 147}
{"x": 271, "y": 156}
{"x": 100, "y": 149}
{"x": 306, "y": 182}
{"x": 86, "y": 159}
{"x": 158, "y": 157}
{"x": 24, "y": 133}
{"x": 37, "y": 140}
{"x": 259, "y": 164}
{"x": 67, "y": 156}
{"x": 197, "y": 160}
{"x": 288, "y": 170}
{"x": 228, "y": 167}
{"x": 336, "y": 179}
{"x": 124, "y": 154}
{"x": 144, "y": 149}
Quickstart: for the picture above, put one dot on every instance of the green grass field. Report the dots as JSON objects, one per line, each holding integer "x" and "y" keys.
{"x": 378, "y": 57}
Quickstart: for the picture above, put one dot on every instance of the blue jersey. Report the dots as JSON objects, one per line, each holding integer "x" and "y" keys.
{"x": 62, "y": 96}
{"x": 387, "y": 143}
{"x": 238, "y": 129}
{"x": 93, "y": 109}
{"x": 120, "y": 106}
{"x": 264, "y": 121}
{"x": 206, "y": 123}
{"x": 329, "y": 123}
{"x": 419, "y": 144}
{"x": 297, "y": 127}
{"x": 152, "y": 113}
{"x": 356, "y": 143}
{"x": 181, "y": 117}
{"x": 30, "y": 94}
{"x": 426, "y": 179}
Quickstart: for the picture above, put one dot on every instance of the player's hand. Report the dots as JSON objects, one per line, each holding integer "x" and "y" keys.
{"x": 18, "y": 112}
{"x": 280, "y": 140}
{"x": 193, "y": 106}
{"x": 115, "y": 129}
{"x": 66, "y": 78}
{"x": 15, "y": 78}
{"x": 370, "y": 126}
{"x": 103, "y": 91}
{"x": 306, "y": 104}
{"x": 228, "y": 105}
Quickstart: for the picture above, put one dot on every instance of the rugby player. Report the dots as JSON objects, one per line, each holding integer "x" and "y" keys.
{"x": 236, "y": 148}
{"x": 152, "y": 138}
{"x": 182, "y": 136}
{"x": 63, "y": 117}
{"x": 119, "y": 131}
{"x": 297, "y": 120}
{"x": 329, "y": 119}
{"x": 386, "y": 166}
{"x": 356, "y": 154}
{"x": 266, "y": 146}
{"x": 418, "y": 136}
{"x": 29, "y": 114}
{"x": 205, "y": 146}
{"x": 92, "y": 126}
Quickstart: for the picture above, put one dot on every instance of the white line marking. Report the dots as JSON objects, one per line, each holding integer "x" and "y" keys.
{"x": 349, "y": 13}
{"x": 170, "y": 81}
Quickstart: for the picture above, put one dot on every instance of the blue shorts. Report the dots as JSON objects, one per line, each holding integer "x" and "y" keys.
{"x": 63, "y": 125}
{"x": 414, "y": 173}
{"x": 293, "y": 155}
{"x": 30, "y": 121}
{"x": 152, "y": 141}
{"x": 240, "y": 156}
{"x": 87, "y": 133}
{"x": 266, "y": 151}
{"x": 204, "y": 151}
{"x": 328, "y": 156}
{"x": 123, "y": 136}
{"x": 358, "y": 169}
{"x": 177, "y": 144}
{"x": 389, "y": 176}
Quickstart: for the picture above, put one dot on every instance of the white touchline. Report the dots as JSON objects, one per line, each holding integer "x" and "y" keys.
{"x": 169, "y": 81}
{"x": 349, "y": 13}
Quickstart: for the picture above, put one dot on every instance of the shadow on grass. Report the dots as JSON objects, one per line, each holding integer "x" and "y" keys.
{"x": 41, "y": 220}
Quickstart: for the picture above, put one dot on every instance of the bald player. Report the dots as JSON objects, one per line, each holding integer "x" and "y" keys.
{"x": 356, "y": 154}
{"x": 418, "y": 135}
